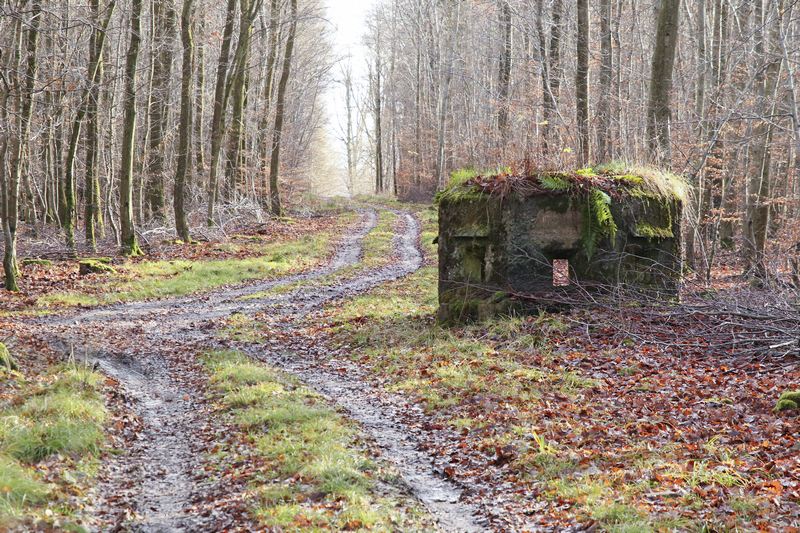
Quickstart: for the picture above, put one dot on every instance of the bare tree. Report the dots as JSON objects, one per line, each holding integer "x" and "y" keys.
{"x": 24, "y": 87}
{"x": 659, "y": 114}
{"x": 220, "y": 103}
{"x": 185, "y": 130}
{"x": 377, "y": 116}
{"x": 758, "y": 185}
{"x": 350, "y": 134}
{"x": 265, "y": 146}
{"x": 159, "y": 106}
{"x": 9, "y": 267}
{"x": 582, "y": 82}
{"x": 274, "y": 162}
{"x": 550, "y": 59}
{"x": 92, "y": 210}
{"x": 504, "y": 69}
{"x": 200, "y": 87}
{"x": 130, "y": 245}
{"x": 447, "y": 55}
{"x": 605, "y": 146}
{"x": 237, "y": 86}
{"x": 87, "y": 105}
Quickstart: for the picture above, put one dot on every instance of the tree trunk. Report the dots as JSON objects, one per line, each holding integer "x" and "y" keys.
{"x": 272, "y": 58}
{"x": 68, "y": 192}
{"x": 551, "y": 72}
{"x": 185, "y": 131}
{"x": 659, "y": 113}
{"x": 163, "y": 50}
{"x": 130, "y": 244}
{"x": 347, "y": 80}
{"x": 238, "y": 83}
{"x": 274, "y": 161}
{"x": 758, "y": 186}
{"x": 18, "y": 145}
{"x": 713, "y": 190}
{"x": 92, "y": 211}
{"x": 720, "y": 73}
{"x": 695, "y": 214}
{"x": 582, "y": 82}
{"x": 504, "y": 70}
{"x": 377, "y": 116}
{"x": 200, "y": 88}
{"x": 794, "y": 106}
{"x": 605, "y": 147}
{"x": 10, "y": 272}
{"x": 7, "y": 207}
{"x": 220, "y": 103}
{"x": 443, "y": 101}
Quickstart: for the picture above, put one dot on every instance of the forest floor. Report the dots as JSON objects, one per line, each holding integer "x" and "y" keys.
{"x": 290, "y": 376}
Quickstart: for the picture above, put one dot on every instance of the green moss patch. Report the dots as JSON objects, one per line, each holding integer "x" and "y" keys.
{"x": 6, "y": 361}
{"x": 614, "y": 180}
{"x": 95, "y": 266}
{"x": 36, "y": 261}
{"x": 789, "y": 400}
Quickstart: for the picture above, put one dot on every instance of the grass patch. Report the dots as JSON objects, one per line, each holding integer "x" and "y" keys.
{"x": 621, "y": 518}
{"x": 318, "y": 478}
{"x": 414, "y": 295}
{"x": 159, "y": 279}
{"x": 64, "y": 417}
{"x": 241, "y": 328}
{"x": 59, "y": 413}
{"x": 393, "y": 326}
{"x": 18, "y": 486}
{"x": 430, "y": 230}
{"x": 377, "y": 245}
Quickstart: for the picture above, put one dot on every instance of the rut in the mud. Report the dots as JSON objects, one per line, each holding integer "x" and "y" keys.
{"x": 165, "y": 463}
{"x": 188, "y": 311}
{"x": 163, "y": 459}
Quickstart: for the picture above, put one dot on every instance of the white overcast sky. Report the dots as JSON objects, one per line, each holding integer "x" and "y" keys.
{"x": 347, "y": 18}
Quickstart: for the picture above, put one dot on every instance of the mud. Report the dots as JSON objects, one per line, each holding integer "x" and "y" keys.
{"x": 163, "y": 459}
{"x": 158, "y": 480}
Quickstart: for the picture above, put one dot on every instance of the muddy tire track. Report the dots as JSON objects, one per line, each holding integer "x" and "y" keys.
{"x": 188, "y": 310}
{"x": 158, "y": 480}
{"x": 164, "y": 457}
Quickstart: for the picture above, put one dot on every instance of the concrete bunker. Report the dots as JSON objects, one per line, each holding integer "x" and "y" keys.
{"x": 509, "y": 241}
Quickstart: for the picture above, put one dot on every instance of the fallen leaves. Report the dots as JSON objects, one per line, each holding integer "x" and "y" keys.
{"x": 675, "y": 425}
{"x": 656, "y": 413}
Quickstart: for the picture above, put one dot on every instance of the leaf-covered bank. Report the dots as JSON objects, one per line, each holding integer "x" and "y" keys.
{"x": 621, "y": 419}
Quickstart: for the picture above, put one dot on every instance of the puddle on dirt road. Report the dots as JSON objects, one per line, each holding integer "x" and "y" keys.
{"x": 164, "y": 462}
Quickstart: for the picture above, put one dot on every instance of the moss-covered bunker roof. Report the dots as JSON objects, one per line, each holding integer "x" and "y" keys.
{"x": 614, "y": 180}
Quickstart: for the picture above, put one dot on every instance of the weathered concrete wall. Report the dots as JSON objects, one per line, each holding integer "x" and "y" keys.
{"x": 490, "y": 247}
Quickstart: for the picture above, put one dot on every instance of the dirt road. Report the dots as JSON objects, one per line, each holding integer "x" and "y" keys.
{"x": 159, "y": 483}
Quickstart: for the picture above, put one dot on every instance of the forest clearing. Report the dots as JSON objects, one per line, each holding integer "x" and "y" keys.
{"x": 323, "y": 396}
